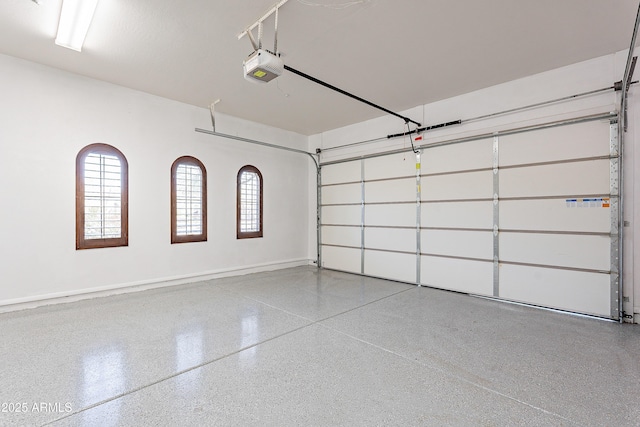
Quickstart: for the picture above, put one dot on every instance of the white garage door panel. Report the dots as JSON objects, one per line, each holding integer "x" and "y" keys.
{"x": 395, "y": 239}
{"x": 397, "y": 190}
{"x": 552, "y": 215}
{"x": 582, "y": 140}
{"x": 589, "y": 252}
{"x": 341, "y": 215}
{"x": 474, "y": 277}
{"x": 348, "y": 193}
{"x": 469, "y": 244}
{"x": 458, "y": 214}
{"x": 344, "y": 236}
{"x": 394, "y": 215}
{"x": 458, "y": 157}
{"x": 590, "y": 177}
{"x": 341, "y": 172}
{"x": 566, "y": 290}
{"x": 472, "y": 185}
{"x": 392, "y": 166}
{"x": 390, "y": 265}
{"x": 344, "y": 259}
{"x": 553, "y": 247}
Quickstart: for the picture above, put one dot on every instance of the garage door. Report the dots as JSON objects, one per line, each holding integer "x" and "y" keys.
{"x": 527, "y": 215}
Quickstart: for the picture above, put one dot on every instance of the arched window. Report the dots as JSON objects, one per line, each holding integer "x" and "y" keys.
{"x": 101, "y": 197}
{"x": 249, "y": 203}
{"x": 188, "y": 200}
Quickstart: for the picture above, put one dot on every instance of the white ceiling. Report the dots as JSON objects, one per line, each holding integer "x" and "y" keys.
{"x": 398, "y": 54}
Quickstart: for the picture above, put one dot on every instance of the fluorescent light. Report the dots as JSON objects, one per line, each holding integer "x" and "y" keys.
{"x": 75, "y": 19}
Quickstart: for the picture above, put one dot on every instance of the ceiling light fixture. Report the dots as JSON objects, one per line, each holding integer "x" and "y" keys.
{"x": 75, "y": 18}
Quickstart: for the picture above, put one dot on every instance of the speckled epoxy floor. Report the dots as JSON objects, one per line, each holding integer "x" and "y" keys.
{"x": 313, "y": 347}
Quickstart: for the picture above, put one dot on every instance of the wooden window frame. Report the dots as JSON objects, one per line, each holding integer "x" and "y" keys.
{"x": 123, "y": 240}
{"x": 248, "y": 234}
{"x": 202, "y": 237}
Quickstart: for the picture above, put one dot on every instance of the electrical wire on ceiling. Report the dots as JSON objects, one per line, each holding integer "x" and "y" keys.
{"x": 286, "y": 94}
{"x": 333, "y": 6}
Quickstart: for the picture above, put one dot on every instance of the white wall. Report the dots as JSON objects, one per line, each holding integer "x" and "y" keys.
{"x": 567, "y": 81}
{"x": 47, "y": 116}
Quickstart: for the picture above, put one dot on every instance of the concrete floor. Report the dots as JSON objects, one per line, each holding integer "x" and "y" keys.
{"x": 308, "y": 347}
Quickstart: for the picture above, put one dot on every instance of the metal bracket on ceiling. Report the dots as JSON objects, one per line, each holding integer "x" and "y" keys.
{"x": 253, "y": 41}
{"x": 212, "y": 109}
{"x": 248, "y": 31}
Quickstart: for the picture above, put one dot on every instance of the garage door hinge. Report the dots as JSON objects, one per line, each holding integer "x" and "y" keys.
{"x": 626, "y": 316}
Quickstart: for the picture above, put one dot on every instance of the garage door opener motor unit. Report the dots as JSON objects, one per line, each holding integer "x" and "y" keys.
{"x": 262, "y": 66}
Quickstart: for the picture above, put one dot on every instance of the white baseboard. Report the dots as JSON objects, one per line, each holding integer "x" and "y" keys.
{"x": 123, "y": 288}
